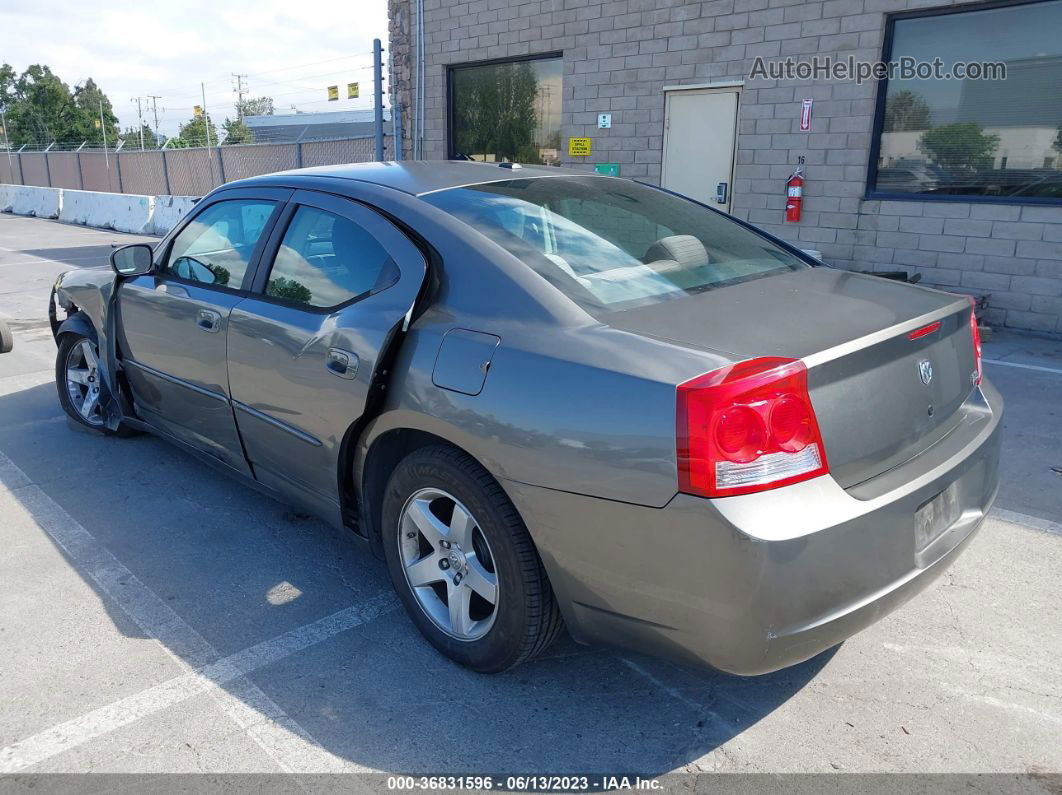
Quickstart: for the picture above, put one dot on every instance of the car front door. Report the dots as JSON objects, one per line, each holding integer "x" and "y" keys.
{"x": 172, "y": 323}
{"x": 335, "y": 285}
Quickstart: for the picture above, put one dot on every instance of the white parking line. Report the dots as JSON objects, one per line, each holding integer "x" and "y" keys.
{"x": 33, "y": 259}
{"x": 289, "y": 745}
{"x": 1021, "y": 366}
{"x": 208, "y": 678}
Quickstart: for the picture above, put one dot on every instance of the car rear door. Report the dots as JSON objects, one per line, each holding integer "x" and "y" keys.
{"x": 333, "y": 289}
{"x": 172, "y": 323}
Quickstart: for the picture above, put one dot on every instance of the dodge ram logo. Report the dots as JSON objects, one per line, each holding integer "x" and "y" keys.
{"x": 925, "y": 370}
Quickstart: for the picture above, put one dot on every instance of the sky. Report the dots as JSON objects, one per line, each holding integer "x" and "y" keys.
{"x": 290, "y": 51}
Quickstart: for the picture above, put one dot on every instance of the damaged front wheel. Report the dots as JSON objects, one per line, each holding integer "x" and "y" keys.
{"x": 82, "y": 391}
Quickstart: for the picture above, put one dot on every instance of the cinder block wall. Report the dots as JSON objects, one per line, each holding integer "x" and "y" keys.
{"x": 618, "y": 56}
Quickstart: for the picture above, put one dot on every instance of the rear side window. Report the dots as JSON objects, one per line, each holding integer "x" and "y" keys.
{"x": 215, "y": 248}
{"x": 614, "y": 244}
{"x": 326, "y": 260}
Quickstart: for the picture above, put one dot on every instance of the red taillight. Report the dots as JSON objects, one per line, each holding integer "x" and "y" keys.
{"x": 975, "y": 333}
{"x": 747, "y": 427}
{"x": 925, "y": 331}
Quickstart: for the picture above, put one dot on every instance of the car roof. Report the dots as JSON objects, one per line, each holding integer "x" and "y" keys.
{"x": 417, "y": 177}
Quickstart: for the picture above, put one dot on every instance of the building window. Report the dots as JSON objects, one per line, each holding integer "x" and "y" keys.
{"x": 508, "y": 111}
{"x": 973, "y": 139}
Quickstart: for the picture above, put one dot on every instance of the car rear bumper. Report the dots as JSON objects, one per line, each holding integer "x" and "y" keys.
{"x": 755, "y": 583}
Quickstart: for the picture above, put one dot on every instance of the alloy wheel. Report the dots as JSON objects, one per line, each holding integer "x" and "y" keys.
{"x": 448, "y": 564}
{"x": 83, "y": 381}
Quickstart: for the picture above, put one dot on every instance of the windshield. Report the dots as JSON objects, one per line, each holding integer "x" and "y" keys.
{"x": 614, "y": 244}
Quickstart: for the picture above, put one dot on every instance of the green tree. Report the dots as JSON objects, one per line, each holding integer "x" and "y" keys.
{"x": 42, "y": 109}
{"x": 906, "y": 110}
{"x": 88, "y": 99}
{"x": 197, "y": 131}
{"x": 132, "y": 138}
{"x": 255, "y": 106}
{"x": 236, "y": 132}
{"x": 282, "y": 287}
{"x": 959, "y": 148}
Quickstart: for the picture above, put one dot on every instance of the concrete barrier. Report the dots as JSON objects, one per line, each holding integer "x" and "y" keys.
{"x": 123, "y": 212}
{"x": 169, "y": 210}
{"x": 148, "y": 215}
{"x": 28, "y": 200}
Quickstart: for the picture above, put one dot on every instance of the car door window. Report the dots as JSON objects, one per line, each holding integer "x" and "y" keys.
{"x": 326, "y": 260}
{"x": 215, "y": 248}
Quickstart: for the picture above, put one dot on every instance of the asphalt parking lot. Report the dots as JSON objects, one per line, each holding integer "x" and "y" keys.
{"x": 156, "y": 617}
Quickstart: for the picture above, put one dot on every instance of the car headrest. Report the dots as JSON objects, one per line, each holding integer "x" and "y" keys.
{"x": 668, "y": 268}
{"x": 686, "y": 250}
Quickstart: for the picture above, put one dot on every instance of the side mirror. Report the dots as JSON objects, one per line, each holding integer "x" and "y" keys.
{"x": 134, "y": 260}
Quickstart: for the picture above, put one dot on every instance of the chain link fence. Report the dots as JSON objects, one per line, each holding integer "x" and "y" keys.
{"x": 177, "y": 172}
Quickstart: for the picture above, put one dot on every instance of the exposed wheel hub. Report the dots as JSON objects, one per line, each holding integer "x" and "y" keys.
{"x": 457, "y": 560}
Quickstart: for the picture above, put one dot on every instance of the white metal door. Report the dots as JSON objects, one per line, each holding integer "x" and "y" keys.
{"x": 700, "y": 127}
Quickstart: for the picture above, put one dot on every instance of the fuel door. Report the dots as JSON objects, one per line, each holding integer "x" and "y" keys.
{"x": 463, "y": 361}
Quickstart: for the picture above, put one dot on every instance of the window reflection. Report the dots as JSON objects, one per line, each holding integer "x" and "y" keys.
{"x": 989, "y": 138}
{"x": 215, "y": 248}
{"x": 507, "y": 112}
{"x": 325, "y": 260}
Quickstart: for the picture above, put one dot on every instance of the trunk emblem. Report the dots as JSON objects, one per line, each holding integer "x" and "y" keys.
{"x": 925, "y": 370}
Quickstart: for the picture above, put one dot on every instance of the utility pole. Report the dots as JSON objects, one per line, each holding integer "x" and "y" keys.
{"x": 103, "y": 129}
{"x": 206, "y": 126}
{"x": 239, "y": 94}
{"x": 155, "y": 110}
{"x": 139, "y": 120}
{"x": 7, "y": 143}
{"x": 206, "y": 116}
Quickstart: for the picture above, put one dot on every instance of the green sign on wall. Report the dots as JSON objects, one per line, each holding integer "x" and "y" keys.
{"x": 608, "y": 169}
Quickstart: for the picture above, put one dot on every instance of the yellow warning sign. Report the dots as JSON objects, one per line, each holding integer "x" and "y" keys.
{"x": 578, "y": 147}
{"x": 333, "y": 93}
{"x": 352, "y": 90}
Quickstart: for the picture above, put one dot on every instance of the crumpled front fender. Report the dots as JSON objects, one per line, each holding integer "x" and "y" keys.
{"x": 90, "y": 295}
{"x": 79, "y": 324}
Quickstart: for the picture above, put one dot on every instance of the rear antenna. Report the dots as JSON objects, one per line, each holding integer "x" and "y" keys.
{"x": 510, "y": 165}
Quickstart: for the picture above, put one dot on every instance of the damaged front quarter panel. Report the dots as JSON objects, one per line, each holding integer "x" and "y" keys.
{"x": 88, "y": 296}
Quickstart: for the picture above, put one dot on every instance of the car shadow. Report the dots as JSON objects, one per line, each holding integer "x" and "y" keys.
{"x": 240, "y": 568}
{"x": 94, "y": 256}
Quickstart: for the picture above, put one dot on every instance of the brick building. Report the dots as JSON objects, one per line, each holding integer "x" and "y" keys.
{"x": 957, "y": 179}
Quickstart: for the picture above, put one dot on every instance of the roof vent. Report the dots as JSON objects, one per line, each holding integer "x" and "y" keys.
{"x": 510, "y": 165}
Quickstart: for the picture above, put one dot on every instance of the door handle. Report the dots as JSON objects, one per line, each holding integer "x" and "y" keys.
{"x": 208, "y": 321}
{"x": 341, "y": 363}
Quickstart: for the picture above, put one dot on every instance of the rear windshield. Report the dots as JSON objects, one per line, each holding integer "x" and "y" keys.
{"x": 614, "y": 244}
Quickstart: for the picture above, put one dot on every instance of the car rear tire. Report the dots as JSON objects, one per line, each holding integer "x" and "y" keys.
{"x": 7, "y": 341}
{"x": 82, "y": 392}
{"x": 463, "y": 563}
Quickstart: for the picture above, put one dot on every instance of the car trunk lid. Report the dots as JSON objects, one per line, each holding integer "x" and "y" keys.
{"x": 880, "y": 396}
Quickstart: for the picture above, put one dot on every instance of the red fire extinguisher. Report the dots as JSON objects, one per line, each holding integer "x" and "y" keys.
{"x": 794, "y": 194}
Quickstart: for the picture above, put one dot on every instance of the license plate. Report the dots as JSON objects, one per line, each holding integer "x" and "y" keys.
{"x": 935, "y": 516}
